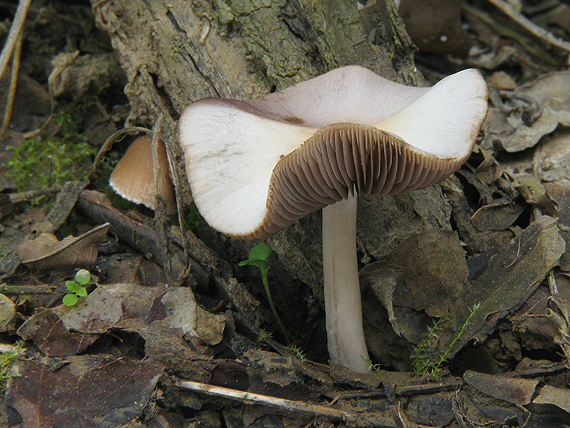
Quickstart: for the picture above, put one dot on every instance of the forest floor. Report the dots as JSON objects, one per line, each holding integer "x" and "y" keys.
{"x": 91, "y": 335}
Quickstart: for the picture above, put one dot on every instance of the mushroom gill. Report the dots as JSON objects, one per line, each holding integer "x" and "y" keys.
{"x": 346, "y": 159}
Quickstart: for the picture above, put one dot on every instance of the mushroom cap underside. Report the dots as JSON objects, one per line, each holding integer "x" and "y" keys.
{"x": 257, "y": 166}
{"x": 342, "y": 160}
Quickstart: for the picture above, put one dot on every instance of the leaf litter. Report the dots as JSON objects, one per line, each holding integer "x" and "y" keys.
{"x": 486, "y": 300}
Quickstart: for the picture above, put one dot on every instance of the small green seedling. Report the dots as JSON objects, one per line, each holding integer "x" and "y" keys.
{"x": 257, "y": 257}
{"x": 374, "y": 368}
{"x": 76, "y": 287}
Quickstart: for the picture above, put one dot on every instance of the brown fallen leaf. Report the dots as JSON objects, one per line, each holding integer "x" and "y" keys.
{"x": 89, "y": 392}
{"x": 498, "y": 215}
{"x": 7, "y": 313}
{"x": 559, "y": 397}
{"x": 436, "y": 280}
{"x": 470, "y": 413}
{"x": 47, "y": 330}
{"x": 47, "y": 252}
{"x": 512, "y": 390}
{"x": 530, "y": 112}
{"x": 175, "y": 328}
{"x": 534, "y": 193}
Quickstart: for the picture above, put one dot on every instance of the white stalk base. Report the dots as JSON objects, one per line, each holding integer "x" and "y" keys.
{"x": 343, "y": 304}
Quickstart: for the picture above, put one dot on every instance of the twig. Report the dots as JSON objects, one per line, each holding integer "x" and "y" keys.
{"x": 250, "y": 397}
{"x": 14, "y": 33}
{"x": 155, "y": 167}
{"x": 405, "y": 391}
{"x": 13, "y": 84}
{"x": 26, "y": 289}
{"x": 32, "y": 194}
{"x": 530, "y": 26}
{"x": 160, "y": 214}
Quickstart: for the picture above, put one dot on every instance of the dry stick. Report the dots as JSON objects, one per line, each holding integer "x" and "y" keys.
{"x": 160, "y": 220}
{"x": 26, "y": 289}
{"x": 14, "y": 33}
{"x": 530, "y": 26}
{"x": 13, "y": 84}
{"x": 154, "y": 149}
{"x": 253, "y": 398}
{"x": 32, "y": 194}
{"x": 179, "y": 206}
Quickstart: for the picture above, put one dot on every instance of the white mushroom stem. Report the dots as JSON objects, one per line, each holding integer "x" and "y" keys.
{"x": 343, "y": 304}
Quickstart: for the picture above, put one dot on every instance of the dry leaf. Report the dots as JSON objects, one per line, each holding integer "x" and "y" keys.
{"x": 47, "y": 252}
{"x": 512, "y": 390}
{"x": 89, "y": 392}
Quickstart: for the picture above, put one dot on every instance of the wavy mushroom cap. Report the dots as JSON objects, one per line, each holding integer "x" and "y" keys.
{"x": 257, "y": 166}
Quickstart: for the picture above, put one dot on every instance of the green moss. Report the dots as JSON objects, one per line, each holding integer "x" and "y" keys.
{"x": 54, "y": 159}
{"x": 193, "y": 219}
{"x": 7, "y": 359}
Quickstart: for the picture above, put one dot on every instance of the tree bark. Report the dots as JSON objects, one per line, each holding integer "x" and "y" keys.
{"x": 176, "y": 52}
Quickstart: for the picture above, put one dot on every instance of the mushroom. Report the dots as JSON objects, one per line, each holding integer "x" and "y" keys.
{"x": 133, "y": 177}
{"x": 257, "y": 166}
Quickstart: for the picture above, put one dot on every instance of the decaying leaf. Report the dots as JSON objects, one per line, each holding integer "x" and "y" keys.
{"x": 168, "y": 319}
{"x": 47, "y": 331}
{"x": 518, "y": 391}
{"x": 183, "y": 312}
{"x": 557, "y": 396}
{"x": 89, "y": 391}
{"x": 97, "y": 313}
{"x": 532, "y": 111}
{"x": 437, "y": 280}
{"x": 534, "y": 193}
{"x": 383, "y": 282}
{"x": 512, "y": 390}
{"x": 552, "y": 157}
{"x": 559, "y": 191}
{"x": 498, "y": 215}
{"x": 7, "y": 313}
{"x": 47, "y": 252}
{"x": 549, "y": 316}
{"x": 501, "y": 280}
{"x": 469, "y": 415}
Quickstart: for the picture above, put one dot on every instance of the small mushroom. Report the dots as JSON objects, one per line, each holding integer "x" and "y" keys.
{"x": 257, "y": 166}
{"x": 133, "y": 177}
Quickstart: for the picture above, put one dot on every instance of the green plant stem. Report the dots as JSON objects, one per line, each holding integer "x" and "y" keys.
{"x": 459, "y": 334}
{"x": 264, "y": 271}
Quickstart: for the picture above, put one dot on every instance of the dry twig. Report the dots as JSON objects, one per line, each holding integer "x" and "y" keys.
{"x": 250, "y": 397}
{"x": 13, "y": 83}
{"x": 14, "y": 34}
